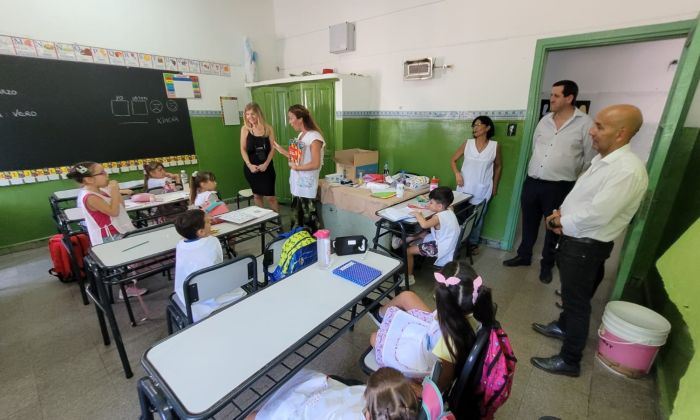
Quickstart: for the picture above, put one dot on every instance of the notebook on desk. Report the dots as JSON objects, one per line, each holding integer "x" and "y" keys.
{"x": 357, "y": 272}
{"x": 245, "y": 215}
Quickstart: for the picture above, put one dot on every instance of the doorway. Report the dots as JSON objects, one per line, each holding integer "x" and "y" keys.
{"x": 642, "y": 237}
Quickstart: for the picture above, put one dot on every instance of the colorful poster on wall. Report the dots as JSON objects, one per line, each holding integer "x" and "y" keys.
{"x": 171, "y": 63}
{"x": 146, "y": 60}
{"x": 46, "y": 49}
{"x": 83, "y": 53}
{"x": 131, "y": 59}
{"x": 194, "y": 66}
{"x": 116, "y": 57}
{"x": 159, "y": 62}
{"x": 65, "y": 51}
{"x": 225, "y": 70}
{"x": 183, "y": 64}
{"x": 100, "y": 55}
{"x": 182, "y": 86}
{"x": 6, "y": 46}
{"x": 24, "y": 46}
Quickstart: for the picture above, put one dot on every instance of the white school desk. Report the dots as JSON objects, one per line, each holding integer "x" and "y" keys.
{"x": 109, "y": 264}
{"x": 75, "y": 214}
{"x": 73, "y": 193}
{"x": 406, "y": 227}
{"x": 205, "y": 367}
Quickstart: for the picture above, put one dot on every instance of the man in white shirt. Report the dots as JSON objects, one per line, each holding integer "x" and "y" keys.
{"x": 597, "y": 210}
{"x": 561, "y": 147}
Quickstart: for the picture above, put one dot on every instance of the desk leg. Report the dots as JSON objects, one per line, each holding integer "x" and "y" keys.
{"x": 115, "y": 328}
{"x": 263, "y": 230}
{"x": 404, "y": 254}
{"x": 98, "y": 307}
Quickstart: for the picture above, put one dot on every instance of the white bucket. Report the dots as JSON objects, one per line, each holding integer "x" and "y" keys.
{"x": 630, "y": 337}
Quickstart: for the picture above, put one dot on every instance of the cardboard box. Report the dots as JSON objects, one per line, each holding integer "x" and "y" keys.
{"x": 353, "y": 161}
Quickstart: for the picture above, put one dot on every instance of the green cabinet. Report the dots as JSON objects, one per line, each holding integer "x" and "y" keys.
{"x": 319, "y": 98}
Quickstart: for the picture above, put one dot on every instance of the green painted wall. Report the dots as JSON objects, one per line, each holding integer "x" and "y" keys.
{"x": 426, "y": 146}
{"x": 674, "y": 358}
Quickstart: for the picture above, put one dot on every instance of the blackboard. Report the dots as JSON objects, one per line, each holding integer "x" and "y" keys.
{"x": 54, "y": 113}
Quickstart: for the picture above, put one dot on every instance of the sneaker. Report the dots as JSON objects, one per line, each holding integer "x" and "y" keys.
{"x": 396, "y": 242}
{"x": 374, "y": 312}
{"x": 411, "y": 279}
{"x": 133, "y": 291}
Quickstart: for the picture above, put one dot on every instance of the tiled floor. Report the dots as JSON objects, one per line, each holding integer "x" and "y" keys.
{"x": 53, "y": 364}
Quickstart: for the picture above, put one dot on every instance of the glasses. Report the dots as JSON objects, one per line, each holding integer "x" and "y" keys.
{"x": 478, "y": 125}
{"x": 99, "y": 173}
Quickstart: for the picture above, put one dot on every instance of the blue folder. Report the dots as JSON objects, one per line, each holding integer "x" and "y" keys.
{"x": 357, "y": 273}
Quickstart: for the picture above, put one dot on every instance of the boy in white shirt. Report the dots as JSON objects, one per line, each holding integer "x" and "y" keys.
{"x": 198, "y": 250}
{"x": 442, "y": 239}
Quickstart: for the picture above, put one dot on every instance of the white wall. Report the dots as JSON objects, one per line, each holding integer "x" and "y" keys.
{"x": 639, "y": 73}
{"x": 201, "y": 30}
{"x": 491, "y": 44}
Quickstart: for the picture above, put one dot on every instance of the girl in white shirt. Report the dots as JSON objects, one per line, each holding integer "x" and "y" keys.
{"x": 203, "y": 189}
{"x": 155, "y": 176}
{"x": 305, "y": 156}
{"x": 480, "y": 172}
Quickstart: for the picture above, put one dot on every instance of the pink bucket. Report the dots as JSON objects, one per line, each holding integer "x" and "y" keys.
{"x": 630, "y": 337}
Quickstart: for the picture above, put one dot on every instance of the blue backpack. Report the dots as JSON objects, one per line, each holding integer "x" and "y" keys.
{"x": 298, "y": 251}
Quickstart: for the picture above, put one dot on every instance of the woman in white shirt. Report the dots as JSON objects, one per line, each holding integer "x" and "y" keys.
{"x": 305, "y": 154}
{"x": 480, "y": 172}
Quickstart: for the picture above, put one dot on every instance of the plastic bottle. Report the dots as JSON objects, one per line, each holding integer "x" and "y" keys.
{"x": 185, "y": 181}
{"x": 323, "y": 247}
{"x": 434, "y": 183}
{"x": 386, "y": 169}
{"x": 400, "y": 188}
{"x": 402, "y": 178}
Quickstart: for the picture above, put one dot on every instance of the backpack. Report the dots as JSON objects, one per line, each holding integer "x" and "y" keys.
{"x": 432, "y": 405}
{"x": 298, "y": 251}
{"x": 61, "y": 260}
{"x": 497, "y": 374}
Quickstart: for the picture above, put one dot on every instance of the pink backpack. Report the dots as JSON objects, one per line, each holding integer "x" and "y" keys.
{"x": 497, "y": 374}
{"x": 432, "y": 405}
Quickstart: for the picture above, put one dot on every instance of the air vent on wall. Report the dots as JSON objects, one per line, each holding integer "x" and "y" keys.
{"x": 418, "y": 69}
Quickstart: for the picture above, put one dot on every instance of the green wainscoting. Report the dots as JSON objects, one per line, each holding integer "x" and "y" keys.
{"x": 426, "y": 146}
{"x": 218, "y": 151}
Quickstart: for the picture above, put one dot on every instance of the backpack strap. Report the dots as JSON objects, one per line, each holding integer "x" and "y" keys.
{"x": 475, "y": 355}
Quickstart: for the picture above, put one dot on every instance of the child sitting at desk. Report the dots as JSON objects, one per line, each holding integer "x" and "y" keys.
{"x": 102, "y": 205}
{"x": 155, "y": 176}
{"x": 411, "y": 338}
{"x": 198, "y": 250}
{"x": 444, "y": 231}
{"x": 388, "y": 395}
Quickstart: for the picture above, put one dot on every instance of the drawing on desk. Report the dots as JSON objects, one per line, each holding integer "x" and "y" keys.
{"x": 397, "y": 214}
{"x": 245, "y": 215}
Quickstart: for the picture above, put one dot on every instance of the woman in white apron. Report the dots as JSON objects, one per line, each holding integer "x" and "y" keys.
{"x": 305, "y": 156}
{"x": 480, "y": 172}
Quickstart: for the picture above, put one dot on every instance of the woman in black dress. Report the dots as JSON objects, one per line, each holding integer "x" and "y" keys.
{"x": 257, "y": 138}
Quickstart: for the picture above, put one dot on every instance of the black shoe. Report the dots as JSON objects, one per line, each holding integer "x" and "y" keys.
{"x": 374, "y": 312}
{"x": 545, "y": 274}
{"x": 550, "y": 330}
{"x": 556, "y": 365}
{"x": 557, "y": 292}
{"x": 516, "y": 261}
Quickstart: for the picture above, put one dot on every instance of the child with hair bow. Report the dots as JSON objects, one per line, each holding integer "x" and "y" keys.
{"x": 411, "y": 337}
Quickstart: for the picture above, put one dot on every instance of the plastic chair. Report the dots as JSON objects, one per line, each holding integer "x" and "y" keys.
{"x": 269, "y": 258}
{"x": 464, "y": 232}
{"x": 210, "y": 283}
{"x": 246, "y": 194}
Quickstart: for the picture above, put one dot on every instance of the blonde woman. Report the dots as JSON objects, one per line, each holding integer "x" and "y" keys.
{"x": 257, "y": 138}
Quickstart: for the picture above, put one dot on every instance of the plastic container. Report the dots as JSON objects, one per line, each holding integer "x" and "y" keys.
{"x": 400, "y": 188}
{"x": 185, "y": 181}
{"x": 434, "y": 183}
{"x": 323, "y": 247}
{"x": 386, "y": 170}
{"x": 630, "y": 337}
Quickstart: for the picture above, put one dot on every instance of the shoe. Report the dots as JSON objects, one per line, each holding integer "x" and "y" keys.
{"x": 474, "y": 249}
{"x": 559, "y": 305}
{"x": 557, "y": 292}
{"x": 374, "y": 312}
{"x": 395, "y": 242}
{"x": 411, "y": 279}
{"x": 133, "y": 291}
{"x": 556, "y": 365}
{"x": 545, "y": 274}
{"x": 550, "y": 330}
{"x": 516, "y": 261}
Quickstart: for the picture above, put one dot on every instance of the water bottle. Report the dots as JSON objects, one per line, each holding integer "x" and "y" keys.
{"x": 185, "y": 182}
{"x": 386, "y": 169}
{"x": 402, "y": 178}
{"x": 400, "y": 188}
{"x": 323, "y": 247}
{"x": 434, "y": 183}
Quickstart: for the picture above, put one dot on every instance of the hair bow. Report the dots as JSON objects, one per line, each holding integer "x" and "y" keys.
{"x": 82, "y": 169}
{"x": 195, "y": 173}
{"x": 477, "y": 284}
{"x": 451, "y": 281}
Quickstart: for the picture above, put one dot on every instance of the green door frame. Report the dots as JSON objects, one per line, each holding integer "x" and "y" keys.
{"x": 676, "y": 108}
